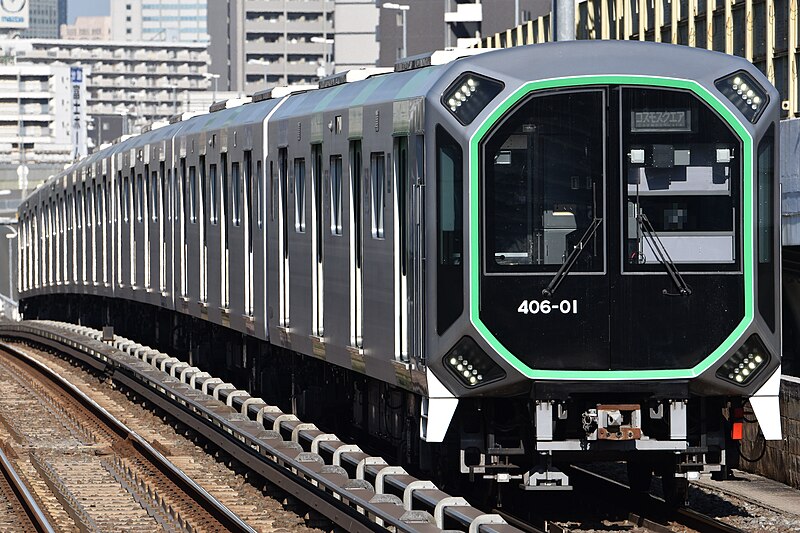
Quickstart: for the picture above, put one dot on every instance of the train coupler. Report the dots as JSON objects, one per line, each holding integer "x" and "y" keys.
{"x": 545, "y": 478}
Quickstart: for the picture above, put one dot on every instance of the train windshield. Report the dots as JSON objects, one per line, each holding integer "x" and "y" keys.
{"x": 544, "y": 184}
{"x": 681, "y": 173}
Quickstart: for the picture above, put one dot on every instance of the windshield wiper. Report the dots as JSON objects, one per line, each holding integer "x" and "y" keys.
{"x": 565, "y": 269}
{"x": 663, "y": 256}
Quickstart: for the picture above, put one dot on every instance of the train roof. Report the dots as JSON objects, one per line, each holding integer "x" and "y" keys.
{"x": 417, "y": 77}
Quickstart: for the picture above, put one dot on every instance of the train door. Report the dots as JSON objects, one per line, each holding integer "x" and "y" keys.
{"x": 283, "y": 229}
{"x": 224, "y": 236}
{"x": 82, "y": 242}
{"x": 192, "y": 235}
{"x": 95, "y": 223}
{"x": 416, "y": 239}
{"x": 130, "y": 219}
{"x": 401, "y": 234}
{"x": 144, "y": 198}
{"x": 155, "y": 237}
{"x": 317, "y": 239}
{"x": 247, "y": 223}
{"x": 139, "y": 230}
{"x": 356, "y": 247}
{"x": 105, "y": 218}
{"x": 162, "y": 234}
{"x": 213, "y": 272}
{"x": 201, "y": 220}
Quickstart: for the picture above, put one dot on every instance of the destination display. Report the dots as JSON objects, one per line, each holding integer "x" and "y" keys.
{"x": 664, "y": 120}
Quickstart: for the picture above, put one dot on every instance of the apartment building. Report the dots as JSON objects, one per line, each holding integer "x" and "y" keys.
{"x": 160, "y": 20}
{"x": 42, "y": 122}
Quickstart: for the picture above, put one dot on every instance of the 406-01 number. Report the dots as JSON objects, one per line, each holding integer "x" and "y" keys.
{"x": 545, "y": 307}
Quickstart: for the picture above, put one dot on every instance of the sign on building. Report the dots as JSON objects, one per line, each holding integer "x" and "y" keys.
{"x": 14, "y": 14}
{"x": 79, "y": 136}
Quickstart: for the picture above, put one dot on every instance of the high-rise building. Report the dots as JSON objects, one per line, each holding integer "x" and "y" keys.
{"x": 141, "y": 81}
{"x": 255, "y": 45}
{"x": 42, "y": 122}
{"x": 159, "y": 20}
{"x": 355, "y": 25}
{"x": 46, "y": 18}
{"x": 433, "y": 26}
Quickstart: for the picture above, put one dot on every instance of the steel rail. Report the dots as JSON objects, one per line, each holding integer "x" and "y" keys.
{"x": 36, "y": 516}
{"x": 654, "y": 505}
{"x": 238, "y": 424}
{"x": 214, "y": 507}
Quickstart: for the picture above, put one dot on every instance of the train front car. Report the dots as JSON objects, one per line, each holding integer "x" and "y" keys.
{"x": 607, "y": 259}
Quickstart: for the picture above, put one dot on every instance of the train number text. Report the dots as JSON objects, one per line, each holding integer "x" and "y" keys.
{"x": 545, "y": 307}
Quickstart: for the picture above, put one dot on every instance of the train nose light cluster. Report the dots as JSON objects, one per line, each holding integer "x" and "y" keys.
{"x": 746, "y": 363}
{"x": 471, "y": 365}
{"x": 468, "y": 96}
{"x": 747, "y": 95}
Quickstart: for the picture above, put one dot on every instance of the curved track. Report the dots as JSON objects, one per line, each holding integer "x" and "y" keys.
{"x": 20, "y": 512}
{"x": 352, "y": 489}
{"x": 102, "y": 473}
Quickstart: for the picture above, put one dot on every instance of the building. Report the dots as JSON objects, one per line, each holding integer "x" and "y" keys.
{"x": 267, "y": 43}
{"x": 764, "y": 33}
{"x": 140, "y": 81}
{"x": 159, "y": 20}
{"x": 42, "y": 125}
{"x": 87, "y": 29}
{"x": 443, "y": 24}
{"x": 355, "y": 34}
{"x": 227, "y": 46}
{"x": 46, "y": 18}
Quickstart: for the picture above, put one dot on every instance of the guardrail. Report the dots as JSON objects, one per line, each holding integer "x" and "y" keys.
{"x": 354, "y": 490}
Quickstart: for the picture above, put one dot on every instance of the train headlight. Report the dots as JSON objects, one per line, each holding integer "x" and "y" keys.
{"x": 747, "y": 95}
{"x": 471, "y": 365}
{"x": 466, "y": 97}
{"x": 746, "y": 363}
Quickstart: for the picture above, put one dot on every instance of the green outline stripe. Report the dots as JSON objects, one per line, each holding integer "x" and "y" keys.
{"x": 474, "y": 279}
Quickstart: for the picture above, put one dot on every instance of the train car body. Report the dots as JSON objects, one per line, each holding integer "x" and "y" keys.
{"x": 556, "y": 252}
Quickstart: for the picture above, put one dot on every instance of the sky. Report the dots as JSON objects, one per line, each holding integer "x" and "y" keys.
{"x": 77, "y": 8}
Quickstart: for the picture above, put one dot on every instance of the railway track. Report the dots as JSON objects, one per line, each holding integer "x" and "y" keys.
{"x": 645, "y": 511}
{"x": 99, "y": 474}
{"x": 19, "y": 511}
{"x": 350, "y": 488}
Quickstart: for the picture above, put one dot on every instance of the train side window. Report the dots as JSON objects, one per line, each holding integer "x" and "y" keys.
{"x": 154, "y": 195}
{"x": 260, "y": 193}
{"x": 193, "y": 194}
{"x": 300, "y": 195}
{"x": 127, "y": 187}
{"x": 766, "y": 228}
{"x": 236, "y": 189}
{"x": 247, "y": 189}
{"x": 273, "y": 192}
{"x": 449, "y": 230}
{"x": 248, "y": 193}
{"x": 98, "y": 193}
{"x": 212, "y": 176}
{"x": 377, "y": 183}
{"x": 139, "y": 198}
{"x": 336, "y": 195}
